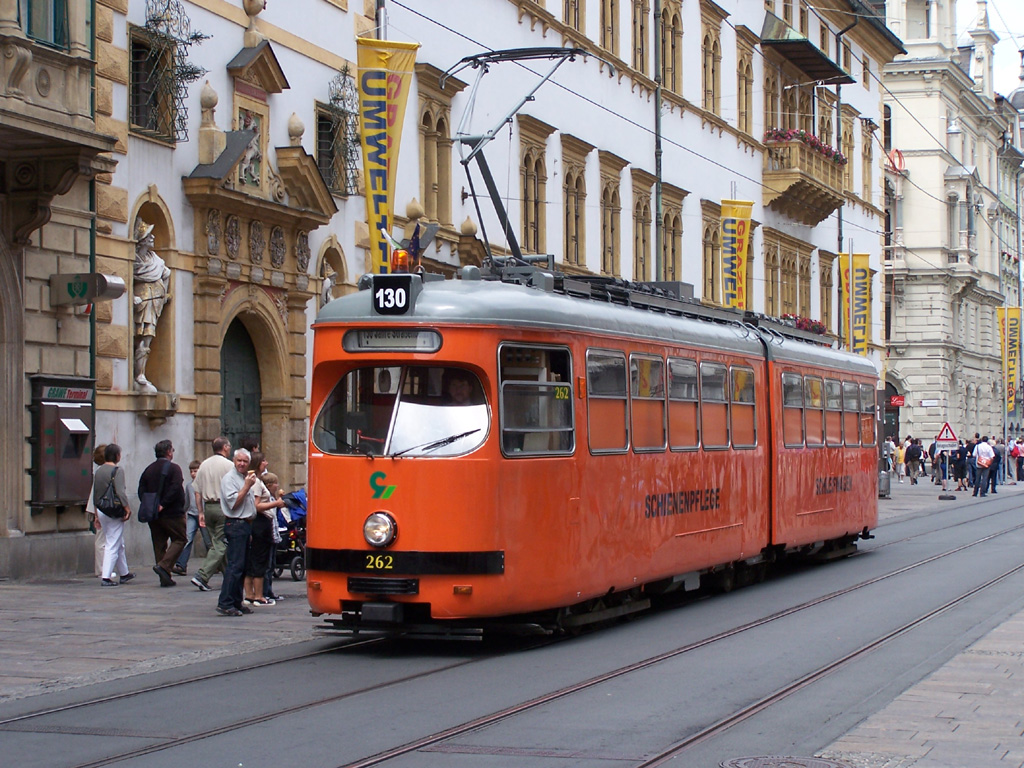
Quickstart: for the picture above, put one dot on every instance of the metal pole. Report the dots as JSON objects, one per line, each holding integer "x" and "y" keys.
{"x": 382, "y": 32}
{"x": 659, "y": 234}
{"x": 849, "y": 295}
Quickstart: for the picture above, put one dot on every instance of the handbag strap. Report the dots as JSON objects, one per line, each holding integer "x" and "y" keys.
{"x": 163, "y": 476}
{"x": 112, "y": 476}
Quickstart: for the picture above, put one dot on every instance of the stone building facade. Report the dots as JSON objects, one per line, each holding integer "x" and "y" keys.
{"x": 954, "y": 253}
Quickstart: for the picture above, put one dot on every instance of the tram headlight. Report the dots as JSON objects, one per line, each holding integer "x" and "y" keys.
{"x": 380, "y": 529}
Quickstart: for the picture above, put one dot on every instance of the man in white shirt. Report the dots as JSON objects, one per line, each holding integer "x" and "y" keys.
{"x": 238, "y": 503}
{"x": 207, "y": 485}
{"x": 983, "y": 456}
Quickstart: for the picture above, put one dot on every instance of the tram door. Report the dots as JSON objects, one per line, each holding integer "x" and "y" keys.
{"x": 240, "y": 414}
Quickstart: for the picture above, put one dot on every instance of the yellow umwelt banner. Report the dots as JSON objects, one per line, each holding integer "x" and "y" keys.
{"x": 1009, "y": 326}
{"x": 735, "y": 239}
{"x": 857, "y": 322}
{"x": 384, "y": 78}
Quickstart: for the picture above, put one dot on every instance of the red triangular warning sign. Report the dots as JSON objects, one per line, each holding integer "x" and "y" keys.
{"x": 946, "y": 433}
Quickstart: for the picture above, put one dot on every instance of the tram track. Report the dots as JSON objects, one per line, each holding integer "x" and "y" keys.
{"x": 20, "y": 722}
{"x": 737, "y": 717}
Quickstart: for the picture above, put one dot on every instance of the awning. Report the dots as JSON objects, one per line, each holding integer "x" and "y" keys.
{"x": 777, "y": 35}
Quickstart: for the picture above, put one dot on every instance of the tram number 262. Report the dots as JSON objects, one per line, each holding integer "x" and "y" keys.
{"x": 391, "y": 297}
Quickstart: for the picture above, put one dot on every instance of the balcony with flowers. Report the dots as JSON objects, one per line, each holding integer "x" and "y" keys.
{"x": 804, "y": 324}
{"x": 803, "y": 176}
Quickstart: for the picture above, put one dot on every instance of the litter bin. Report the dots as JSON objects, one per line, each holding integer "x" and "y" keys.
{"x": 884, "y": 480}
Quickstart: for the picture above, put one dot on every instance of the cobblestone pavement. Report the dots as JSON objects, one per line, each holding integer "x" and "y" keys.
{"x": 60, "y": 634}
{"x": 970, "y": 712}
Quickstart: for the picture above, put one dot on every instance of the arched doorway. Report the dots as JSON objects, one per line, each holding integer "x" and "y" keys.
{"x": 891, "y": 426}
{"x": 240, "y": 386}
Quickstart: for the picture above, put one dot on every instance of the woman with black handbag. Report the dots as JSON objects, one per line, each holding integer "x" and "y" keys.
{"x": 111, "y": 499}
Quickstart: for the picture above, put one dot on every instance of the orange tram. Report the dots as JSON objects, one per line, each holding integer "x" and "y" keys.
{"x": 540, "y": 452}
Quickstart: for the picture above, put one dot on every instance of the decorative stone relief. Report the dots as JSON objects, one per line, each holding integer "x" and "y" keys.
{"x": 302, "y": 282}
{"x": 16, "y": 70}
{"x": 256, "y": 275}
{"x": 43, "y": 83}
{"x": 277, "y": 279}
{"x": 277, "y": 246}
{"x": 257, "y": 242}
{"x": 277, "y": 191}
{"x": 232, "y": 237}
{"x": 302, "y": 251}
{"x": 213, "y": 232}
{"x": 234, "y": 270}
{"x": 214, "y": 266}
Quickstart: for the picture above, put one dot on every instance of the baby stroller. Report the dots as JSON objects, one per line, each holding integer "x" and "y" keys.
{"x": 291, "y": 524}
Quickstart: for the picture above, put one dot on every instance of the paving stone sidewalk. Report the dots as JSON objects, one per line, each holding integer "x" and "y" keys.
{"x": 65, "y": 633}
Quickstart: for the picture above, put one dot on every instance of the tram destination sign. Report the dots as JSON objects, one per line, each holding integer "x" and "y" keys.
{"x": 392, "y": 340}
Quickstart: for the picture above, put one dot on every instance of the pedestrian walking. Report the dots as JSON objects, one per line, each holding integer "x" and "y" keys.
{"x": 163, "y": 477}
{"x": 913, "y": 460}
{"x": 901, "y": 466}
{"x": 191, "y": 523}
{"x": 95, "y": 524}
{"x": 112, "y": 521}
{"x": 207, "y": 485}
{"x": 983, "y": 458}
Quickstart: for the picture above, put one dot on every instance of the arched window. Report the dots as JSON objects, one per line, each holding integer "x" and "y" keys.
{"x": 672, "y": 49}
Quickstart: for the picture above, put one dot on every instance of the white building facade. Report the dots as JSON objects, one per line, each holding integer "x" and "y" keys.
{"x": 955, "y": 256}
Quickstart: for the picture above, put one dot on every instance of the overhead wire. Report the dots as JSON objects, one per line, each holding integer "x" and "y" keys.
{"x": 629, "y": 121}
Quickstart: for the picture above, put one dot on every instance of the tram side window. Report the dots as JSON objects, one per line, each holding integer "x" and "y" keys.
{"x": 814, "y": 411}
{"x": 647, "y": 389}
{"x": 607, "y": 401}
{"x": 536, "y": 401}
{"x": 867, "y": 414}
{"x": 683, "y": 418}
{"x": 833, "y": 412}
{"x": 743, "y": 415}
{"x": 714, "y": 405}
{"x": 851, "y": 411}
{"x": 792, "y": 410}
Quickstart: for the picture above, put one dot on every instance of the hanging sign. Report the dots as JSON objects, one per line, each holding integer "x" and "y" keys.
{"x": 735, "y": 240}
{"x": 858, "y": 321}
{"x": 384, "y": 78}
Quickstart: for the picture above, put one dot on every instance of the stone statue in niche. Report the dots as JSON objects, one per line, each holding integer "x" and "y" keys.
{"x": 151, "y": 292}
{"x": 250, "y": 168}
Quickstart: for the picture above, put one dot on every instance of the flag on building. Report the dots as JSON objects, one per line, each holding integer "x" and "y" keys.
{"x": 858, "y": 321}
{"x": 385, "y": 71}
{"x": 1009, "y": 332}
{"x": 735, "y": 240}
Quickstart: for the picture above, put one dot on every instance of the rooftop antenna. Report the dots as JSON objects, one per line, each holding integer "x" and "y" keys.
{"x": 476, "y": 143}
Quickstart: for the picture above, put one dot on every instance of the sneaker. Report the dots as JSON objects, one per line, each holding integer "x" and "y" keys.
{"x": 228, "y": 611}
{"x": 274, "y": 597}
{"x": 200, "y": 584}
{"x": 263, "y": 601}
{"x": 178, "y": 570}
{"x": 244, "y": 609}
{"x": 127, "y": 577}
{"x": 108, "y": 583}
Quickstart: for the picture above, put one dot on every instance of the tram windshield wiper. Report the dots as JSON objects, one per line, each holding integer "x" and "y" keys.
{"x": 435, "y": 444}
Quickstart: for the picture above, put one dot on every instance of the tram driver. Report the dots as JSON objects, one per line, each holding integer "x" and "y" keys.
{"x": 459, "y": 388}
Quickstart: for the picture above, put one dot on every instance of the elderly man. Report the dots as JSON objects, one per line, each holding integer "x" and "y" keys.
{"x": 238, "y": 503}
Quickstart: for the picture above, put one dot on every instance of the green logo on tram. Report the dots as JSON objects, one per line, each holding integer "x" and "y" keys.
{"x": 381, "y": 491}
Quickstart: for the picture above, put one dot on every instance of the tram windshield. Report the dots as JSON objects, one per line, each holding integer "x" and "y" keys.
{"x": 403, "y": 411}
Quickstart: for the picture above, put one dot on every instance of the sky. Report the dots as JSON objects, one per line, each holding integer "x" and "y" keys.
{"x": 1006, "y": 17}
